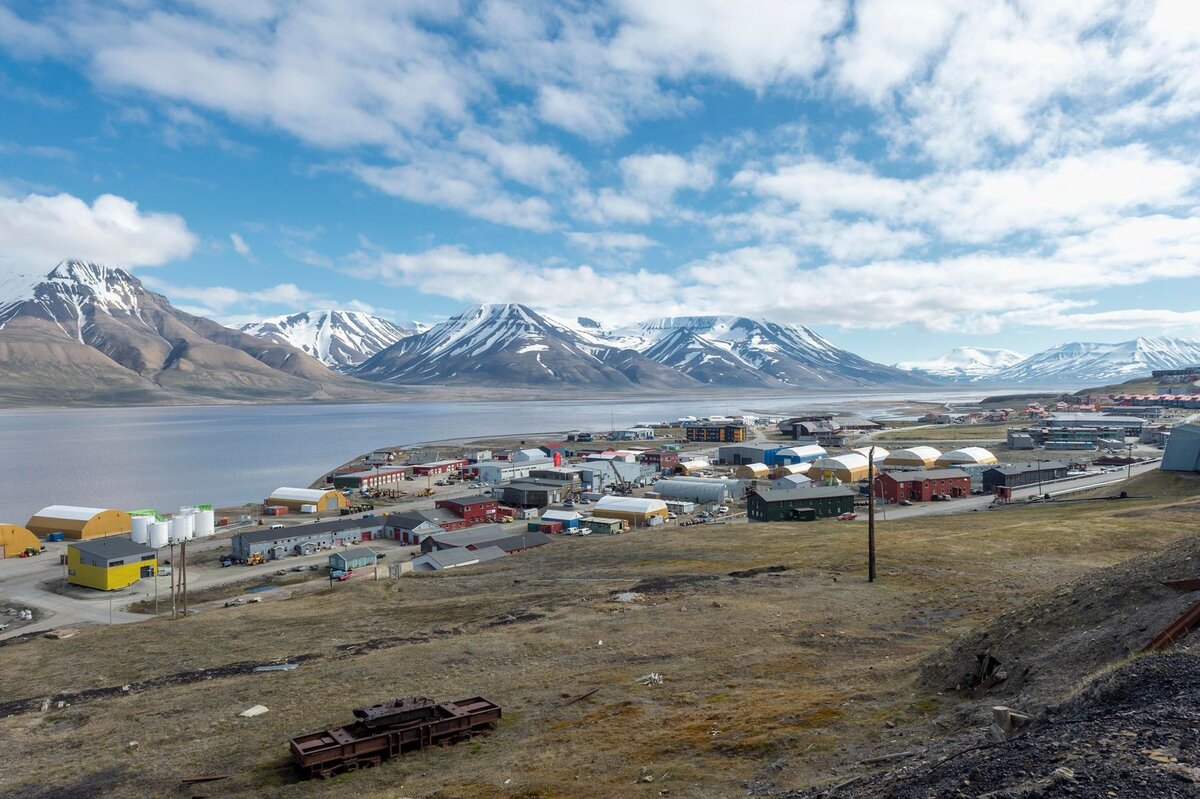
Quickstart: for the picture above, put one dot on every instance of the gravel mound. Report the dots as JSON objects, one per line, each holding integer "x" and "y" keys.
{"x": 1134, "y": 732}
{"x": 1043, "y": 649}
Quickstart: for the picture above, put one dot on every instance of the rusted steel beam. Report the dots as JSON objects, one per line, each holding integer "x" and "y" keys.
{"x": 1175, "y": 630}
{"x": 1192, "y": 584}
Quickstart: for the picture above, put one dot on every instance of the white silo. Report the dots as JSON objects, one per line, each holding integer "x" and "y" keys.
{"x": 159, "y": 534}
{"x": 179, "y": 529}
{"x": 206, "y": 523}
{"x": 141, "y": 529}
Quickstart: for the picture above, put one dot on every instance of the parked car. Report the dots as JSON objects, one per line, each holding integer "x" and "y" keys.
{"x": 672, "y": 515}
{"x": 847, "y": 517}
{"x": 569, "y": 504}
{"x": 905, "y": 502}
{"x": 344, "y": 576}
{"x": 723, "y": 509}
{"x": 226, "y": 560}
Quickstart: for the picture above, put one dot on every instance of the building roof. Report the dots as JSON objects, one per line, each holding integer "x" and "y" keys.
{"x": 373, "y": 471}
{"x": 850, "y": 460}
{"x": 491, "y": 535}
{"x": 534, "y": 484}
{"x": 446, "y": 462}
{"x": 72, "y": 512}
{"x": 794, "y": 469}
{"x": 790, "y": 481}
{"x": 922, "y": 453}
{"x": 805, "y": 493}
{"x": 410, "y": 520}
{"x": 312, "y": 495}
{"x": 449, "y": 558}
{"x": 919, "y": 475}
{"x": 1096, "y": 417}
{"x": 761, "y": 448}
{"x": 473, "y": 499}
{"x": 112, "y": 547}
{"x": 968, "y": 455}
{"x": 315, "y": 528}
{"x": 1021, "y": 468}
{"x": 356, "y": 553}
{"x": 560, "y": 516}
{"x": 630, "y": 504}
{"x": 803, "y": 451}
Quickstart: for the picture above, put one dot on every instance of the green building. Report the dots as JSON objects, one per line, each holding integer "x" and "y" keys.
{"x": 799, "y": 504}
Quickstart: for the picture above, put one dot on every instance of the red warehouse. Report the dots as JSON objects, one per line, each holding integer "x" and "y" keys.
{"x": 439, "y": 467}
{"x": 922, "y": 485}
{"x": 473, "y": 510}
{"x": 660, "y": 460}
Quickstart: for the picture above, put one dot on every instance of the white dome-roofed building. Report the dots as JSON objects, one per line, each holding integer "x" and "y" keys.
{"x": 848, "y": 468}
{"x": 805, "y": 453}
{"x": 913, "y": 458}
{"x": 967, "y": 456}
{"x": 880, "y": 453}
{"x": 793, "y": 469}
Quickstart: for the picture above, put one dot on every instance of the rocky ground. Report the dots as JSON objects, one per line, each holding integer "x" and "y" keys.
{"x": 1134, "y": 732}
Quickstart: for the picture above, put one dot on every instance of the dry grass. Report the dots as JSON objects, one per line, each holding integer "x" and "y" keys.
{"x": 778, "y": 678}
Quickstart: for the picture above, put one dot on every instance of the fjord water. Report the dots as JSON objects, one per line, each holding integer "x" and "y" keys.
{"x": 166, "y": 457}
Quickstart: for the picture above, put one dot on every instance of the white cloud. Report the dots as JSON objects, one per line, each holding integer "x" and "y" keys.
{"x": 892, "y": 43}
{"x": 239, "y": 245}
{"x": 37, "y": 231}
{"x": 611, "y": 240}
{"x": 650, "y": 184}
{"x": 1072, "y": 193}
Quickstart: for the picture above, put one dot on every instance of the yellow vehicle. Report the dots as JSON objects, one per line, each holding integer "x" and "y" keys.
{"x": 428, "y": 492}
{"x": 255, "y": 559}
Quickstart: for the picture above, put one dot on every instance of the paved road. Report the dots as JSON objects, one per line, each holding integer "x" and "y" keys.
{"x": 968, "y": 504}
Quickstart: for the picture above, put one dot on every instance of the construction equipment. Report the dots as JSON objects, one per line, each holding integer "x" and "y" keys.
{"x": 383, "y": 731}
{"x": 427, "y": 492}
{"x": 255, "y": 559}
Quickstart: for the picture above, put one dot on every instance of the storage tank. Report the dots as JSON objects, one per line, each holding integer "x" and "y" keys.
{"x": 180, "y": 529}
{"x": 159, "y": 533}
{"x": 206, "y": 523}
{"x": 141, "y": 529}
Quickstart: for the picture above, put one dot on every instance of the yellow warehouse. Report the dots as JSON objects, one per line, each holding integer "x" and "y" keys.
{"x": 15, "y": 540}
{"x": 295, "y": 498}
{"x": 79, "y": 524}
{"x": 108, "y": 564}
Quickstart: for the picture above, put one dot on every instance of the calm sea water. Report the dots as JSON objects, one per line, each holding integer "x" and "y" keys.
{"x": 226, "y": 455}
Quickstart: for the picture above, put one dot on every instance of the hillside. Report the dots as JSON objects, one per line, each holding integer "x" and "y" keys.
{"x": 90, "y": 334}
{"x": 783, "y": 668}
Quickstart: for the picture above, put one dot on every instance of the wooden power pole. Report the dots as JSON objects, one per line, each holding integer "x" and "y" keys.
{"x": 871, "y": 514}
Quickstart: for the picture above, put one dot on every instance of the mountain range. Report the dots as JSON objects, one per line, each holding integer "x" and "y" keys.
{"x": 338, "y": 339}
{"x": 91, "y": 334}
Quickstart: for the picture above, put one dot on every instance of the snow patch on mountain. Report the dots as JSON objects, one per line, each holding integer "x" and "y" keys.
{"x": 339, "y": 339}
{"x": 1081, "y": 364}
{"x": 965, "y": 363}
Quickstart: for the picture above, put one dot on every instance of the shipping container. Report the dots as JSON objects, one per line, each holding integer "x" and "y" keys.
{"x": 550, "y": 527}
{"x": 308, "y": 508}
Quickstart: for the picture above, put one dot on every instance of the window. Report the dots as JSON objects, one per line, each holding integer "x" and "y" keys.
{"x": 116, "y": 563}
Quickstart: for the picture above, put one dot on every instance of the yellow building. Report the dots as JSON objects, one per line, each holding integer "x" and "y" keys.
{"x": 635, "y": 510}
{"x": 108, "y": 564}
{"x": 848, "y": 468}
{"x": 752, "y": 471}
{"x": 913, "y": 458}
{"x": 15, "y": 540}
{"x": 967, "y": 456}
{"x": 295, "y": 498}
{"x": 79, "y": 524}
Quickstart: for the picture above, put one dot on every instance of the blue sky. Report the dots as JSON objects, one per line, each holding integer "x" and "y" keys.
{"x": 902, "y": 177}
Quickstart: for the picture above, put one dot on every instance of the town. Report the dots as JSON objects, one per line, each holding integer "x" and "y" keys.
{"x": 397, "y": 512}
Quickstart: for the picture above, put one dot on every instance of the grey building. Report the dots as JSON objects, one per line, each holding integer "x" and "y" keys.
{"x": 1183, "y": 449}
{"x": 1023, "y": 474}
{"x": 410, "y": 527}
{"x": 303, "y": 539}
{"x": 485, "y": 536}
{"x": 704, "y": 492}
{"x": 356, "y": 558}
{"x": 1130, "y": 425}
{"x": 453, "y": 558}
{"x": 532, "y": 493}
{"x": 600, "y": 475}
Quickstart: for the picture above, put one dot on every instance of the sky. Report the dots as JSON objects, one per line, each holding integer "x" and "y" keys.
{"x": 903, "y": 177}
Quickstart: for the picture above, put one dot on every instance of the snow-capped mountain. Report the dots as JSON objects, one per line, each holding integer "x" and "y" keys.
{"x": 515, "y": 346}
{"x": 965, "y": 364}
{"x": 742, "y": 351}
{"x": 339, "y": 339}
{"x": 91, "y": 333}
{"x": 1081, "y": 364}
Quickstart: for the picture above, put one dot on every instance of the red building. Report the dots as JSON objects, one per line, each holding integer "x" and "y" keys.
{"x": 660, "y": 460}
{"x": 438, "y": 467}
{"x": 473, "y": 510}
{"x": 922, "y": 485}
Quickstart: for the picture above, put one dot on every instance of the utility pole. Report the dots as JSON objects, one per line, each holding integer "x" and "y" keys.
{"x": 871, "y": 514}
{"x": 1129, "y": 461}
{"x": 1039, "y": 475}
{"x": 174, "y": 594}
{"x": 183, "y": 575}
